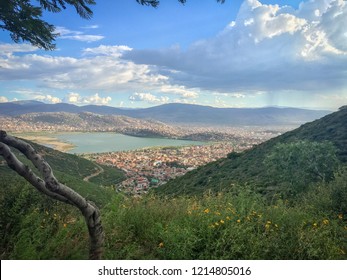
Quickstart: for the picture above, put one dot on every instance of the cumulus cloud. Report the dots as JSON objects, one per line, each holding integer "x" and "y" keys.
{"x": 115, "y": 51}
{"x": 8, "y": 49}
{"x": 102, "y": 69}
{"x": 148, "y": 97}
{"x": 267, "y": 47}
{"x": 3, "y": 99}
{"x": 95, "y": 99}
{"x": 47, "y": 98}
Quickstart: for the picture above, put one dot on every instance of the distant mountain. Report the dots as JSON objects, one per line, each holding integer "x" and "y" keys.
{"x": 178, "y": 113}
{"x": 86, "y": 121}
{"x": 248, "y": 166}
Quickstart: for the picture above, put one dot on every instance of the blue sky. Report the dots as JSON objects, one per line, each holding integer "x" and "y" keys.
{"x": 237, "y": 54}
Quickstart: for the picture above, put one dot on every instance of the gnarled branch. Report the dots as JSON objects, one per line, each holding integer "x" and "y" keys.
{"x": 50, "y": 186}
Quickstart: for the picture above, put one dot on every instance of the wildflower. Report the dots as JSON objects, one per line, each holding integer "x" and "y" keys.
{"x": 161, "y": 245}
{"x": 206, "y": 211}
{"x": 276, "y": 226}
{"x": 65, "y": 225}
{"x": 238, "y": 221}
{"x": 189, "y": 212}
{"x": 222, "y": 221}
{"x": 228, "y": 218}
{"x": 268, "y": 222}
{"x": 216, "y": 223}
{"x": 340, "y": 216}
{"x": 267, "y": 226}
{"x": 315, "y": 225}
{"x": 217, "y": 213}
{"x": 325, "y": 222}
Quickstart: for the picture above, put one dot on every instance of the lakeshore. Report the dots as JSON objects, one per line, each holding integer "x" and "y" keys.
{"x": 100, "y": 142}
{"x": 47, "y": 139}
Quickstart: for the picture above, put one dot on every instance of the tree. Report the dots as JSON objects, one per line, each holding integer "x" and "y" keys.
{"x": 51, "y": 187}
{"x": 24, "y": 20}
{"x": 295, "y": 165}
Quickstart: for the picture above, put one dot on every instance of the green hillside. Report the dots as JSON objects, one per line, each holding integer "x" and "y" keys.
{"x": 249, "y": 167}
{"x": 70, "y": 170}
{"x": 238, "y": 224}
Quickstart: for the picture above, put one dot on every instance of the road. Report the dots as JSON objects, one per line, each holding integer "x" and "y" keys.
{"x": 100, "y": 170}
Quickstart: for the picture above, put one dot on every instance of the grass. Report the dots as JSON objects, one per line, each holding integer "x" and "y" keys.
{"x": 240, "y": 224}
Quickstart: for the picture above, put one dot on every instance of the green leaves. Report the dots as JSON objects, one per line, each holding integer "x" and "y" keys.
{"x": 300, "y": 163}
{"x": 23, "y": 20}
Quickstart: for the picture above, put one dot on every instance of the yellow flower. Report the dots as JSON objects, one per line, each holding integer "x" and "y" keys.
{"x": 268, "y": 222}
{"x": 267, "y": 226}
{"x": 161, "y": 245}
{"x": 228, "y": 218}
{"x": 217, "y": 213}
{"x": 238, "y": 221}
{"x": 222, "y": 221}
{"x": 206, "y": 211}
{"x": 315, "y": 224}
{"x": 216, "y": 223}
{"x": 65, "y": 225}
{"x": 340, "y": 216}
{"x": 326, "y": 222}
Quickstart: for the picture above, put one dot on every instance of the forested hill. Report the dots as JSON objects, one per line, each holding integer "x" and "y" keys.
{"x": 249, "y": 167}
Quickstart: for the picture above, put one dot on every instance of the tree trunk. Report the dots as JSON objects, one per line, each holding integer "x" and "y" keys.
{"x": 51, "y": 187}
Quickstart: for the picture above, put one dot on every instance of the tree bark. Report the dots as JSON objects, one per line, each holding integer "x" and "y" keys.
{"x": 51, "y": 187}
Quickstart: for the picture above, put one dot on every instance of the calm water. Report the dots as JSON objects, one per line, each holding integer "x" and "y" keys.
{"x": 96, "y": 142}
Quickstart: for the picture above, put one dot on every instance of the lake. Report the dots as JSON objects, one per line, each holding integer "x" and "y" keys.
{"x": 99, "y": 142}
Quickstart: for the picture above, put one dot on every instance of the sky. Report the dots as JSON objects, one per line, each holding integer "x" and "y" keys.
{"x": 238, "y": 54}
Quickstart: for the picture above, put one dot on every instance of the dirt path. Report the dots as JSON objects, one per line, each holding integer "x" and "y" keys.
{"x": 101, "y": 170}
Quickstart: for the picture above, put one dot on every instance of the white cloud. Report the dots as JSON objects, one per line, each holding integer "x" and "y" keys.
{"x": 96, "y": 72}
{"x": 95, "y": 99}
{"x": 8, "y": 49}
{"x": 3, "y": 99}
{"x": 266, "y": 48}
{"x": 84, "y": 38}
{"x": 47, "y": 98}
{"x": 148, "y": 97}
{"x": 179, "y": 90}
{"x": 77, "y": 35}
{"x": 115, "y": 51}
{"x": 94, "y": 26}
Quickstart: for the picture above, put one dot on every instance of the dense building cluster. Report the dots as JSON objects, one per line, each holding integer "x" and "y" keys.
{"x": 153, "y": 167}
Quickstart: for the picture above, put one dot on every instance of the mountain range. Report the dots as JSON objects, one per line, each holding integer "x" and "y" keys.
{"x": 176, "y": 113}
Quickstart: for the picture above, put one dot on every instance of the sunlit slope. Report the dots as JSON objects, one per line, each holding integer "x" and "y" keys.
{"x": 248, "y": 166}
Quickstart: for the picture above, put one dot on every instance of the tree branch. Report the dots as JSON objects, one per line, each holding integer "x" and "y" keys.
{"x": 50, "y": 186}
